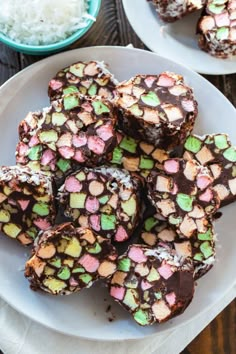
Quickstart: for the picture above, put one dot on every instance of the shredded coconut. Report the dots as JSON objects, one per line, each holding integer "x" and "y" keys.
{"x": 41, "y": 22}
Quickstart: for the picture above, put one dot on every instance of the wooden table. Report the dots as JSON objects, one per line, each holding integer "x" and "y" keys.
{"x": 112, "y": 28}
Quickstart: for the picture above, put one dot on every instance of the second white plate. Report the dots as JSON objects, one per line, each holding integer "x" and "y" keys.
{"x": 176, "y": 41}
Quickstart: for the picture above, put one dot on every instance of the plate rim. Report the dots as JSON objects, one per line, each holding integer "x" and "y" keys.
{"x": 49, "y": 59}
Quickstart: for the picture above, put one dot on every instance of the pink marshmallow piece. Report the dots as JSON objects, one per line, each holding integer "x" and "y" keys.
{"x": 80, "y": 140}
{"x": 66, "y": 152}
{"x": 203, "y": 182}
{"x": 96, "y": 145}
{"x": 105, "y": 132}
{"x": 47, "y": 157}
{"x": 72, "y": 184}
{"x": 222, "y": 20}
{"x": 137, "y": 255}
{"x": 79, "y": 156}
{"x": 121, "y": 234}
{"x": 188, "y": 105}
{"x": 149, "y": 81}
{"x": 171, "y": 298}
{"x": 94, "y": 221}
{"x": 145, "y": 285}
{"x": 92, "y": 204}
{"x": 117, "y": 292}
{"x": 55, "y": 84}
{"x": 90, "y": 263}
{"x": 171, "y": 166}
{"x": 206, "y": 196}
{"x": 42, "y": 224}
{"x": 165, "y": 81}
{"x": 33, "y": 141}
{"x": 165, "y": 271}
{"x": 23, "y": 203}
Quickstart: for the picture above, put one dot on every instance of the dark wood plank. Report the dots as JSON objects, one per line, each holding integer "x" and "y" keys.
{"x": 219, "y": 337}
{"x": 9, "y": 63}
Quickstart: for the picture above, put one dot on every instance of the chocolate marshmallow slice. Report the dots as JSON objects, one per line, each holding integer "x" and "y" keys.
{"x": 105, "y": 199}
{"x": 217, "y": 153}
{"x": 67, "y": 259}
{"x": 159, "y": 109}
{"x": 183, "y": 195}
{"x": 172, "y": 10}
{"x": 200, "y": 247}
{"x": 27, "y": 203}
{"x": 74, "y": 131}
{"x": 153, "y": 285}
{"x": 217, "y": 28}
{"x": 90, "y": 78}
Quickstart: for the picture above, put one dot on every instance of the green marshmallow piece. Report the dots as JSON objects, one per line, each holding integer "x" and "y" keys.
{"x": 131, "y": 298}
{"x": 78, "y": 270}
{"x": 48, "y": 136}
{"x": 63, "y": 165}
{"x": 221, "y": 141}
{"x": 150, "y": 99}
{"x": 80, "y": 176}
{"x": 124, "y": 264}
{"x": 129, "y": 206}
{"x": 146, "y": 163}
{"x": 94, "y": 250}
{"x": 70, "y": 89}
{"x": 86, "y": 278}
{"x": 150, "y": 223}
{"x": 5, "y": 216}
{"x": 198, "y": 257}
{"x": 174, "y": 220}
{"x": 207, "y": 236}
{"x": 153, "y": 275}
{"x": 216, "y": 9}
{"x": 193, "y": 144}
{"x": 100, "y": 107}
{"x": 58, "y": 119}
{"x": 103, "y": 199}
{"x": 64, "y": 273}
{"x": 108, "y": 222}
{"x": 77, "y": 200}
{"x": 222, "y": 33}
{"x": 117, "y": 156}
{"x": 185, "y": 201}
{"x": 56, "y": 262}
{"x": 230, "y": 154}
{"x": 128, "y": 144}
{"x": 135, "y": 110}
{"x": 35, "y": 153}
{"x": 141, "y": 317}
{"x": 158, "y": 295}
{"x": 77, "y": 69}
{"x": 32, "y": 232}
{"x": 206, "y": 249}
{"x": 70, "y": 101}
{"x": 41, "y": 209}
{"x": 11, "y": 230}
{"x": 54, "y": 285}
{"x": 92, "y": 90}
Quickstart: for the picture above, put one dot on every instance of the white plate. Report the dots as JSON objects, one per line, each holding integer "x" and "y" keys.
{"x": 84, "y": 314}
{"x": 176, "y": 41}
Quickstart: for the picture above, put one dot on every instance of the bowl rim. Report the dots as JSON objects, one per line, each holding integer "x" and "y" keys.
{"x": 95, "y": 4}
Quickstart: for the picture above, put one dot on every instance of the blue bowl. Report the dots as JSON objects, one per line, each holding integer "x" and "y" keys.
{"x": 94, "y": 7}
